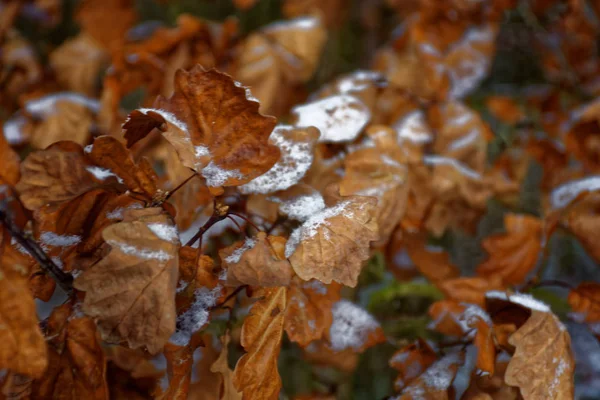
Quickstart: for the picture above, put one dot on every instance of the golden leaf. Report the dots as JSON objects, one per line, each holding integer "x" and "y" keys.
{"x": 221, "y": 366}
{"x": 131, "y": 292}
{"x": 436, "y": 381}
{"x": 434, "y": 263}
{"x": 9, "y": 168}
{"x": 471, "y": 289}
{"x": 22, "y": 346}
{"x": 257, "y": 262}
{"x": 256, "y": 374}
{"x": 543, "y": 365}
{"x": 332, "y": 244}
{"x": 585, "y": 300}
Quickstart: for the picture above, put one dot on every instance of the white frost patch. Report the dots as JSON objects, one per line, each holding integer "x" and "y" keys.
{"x": 145, "y": 254}
{"x": 248, "y": 93}
{"x": 54, "y": 240}
{"x": 217, "y": 176}
{"x": 351, "y": 326}
{"x": 567, "y": 192}
{"x": 469, "y": 317}
{"x": 358, "y": 80}
{"x": 201, "y": 151}
{"x": 303, "y": 23}
{"x": 117, "y": 213}
{"x": 102, "y": 173}
{"x": 464, "y": 141}
{"x": 58, "y": 262}
{"x": 309, "y": 228}
{"x": 18, "y": 246}
{"x": 301, "y": 207}
{"x": 439, "y": 160}
{"x": 522, "y": 299}
{"x": 239, "y": 252}
{"x": 296, "y": 158}
{"x": 561, "y": 368}
{"x": 316, "y": 286}
{"x": 438, "y": 377}
{"x": 169, "y": 117}
{"x": 45, "y": 106}
{"x": 13, "y": 130}
{"x": 165, "y": 232}
{"x": 413, "y": 128}
{"x": 340, "y": 118}
{"x": 88, "y": 149}
{"x": 196, "y": 316}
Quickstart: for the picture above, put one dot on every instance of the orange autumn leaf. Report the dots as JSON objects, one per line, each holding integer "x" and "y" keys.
{"x": 514, "y": 254}
{"x": 434, "y": 263}
{"x": 213, "y": 124}
{"x": 9, "y": 168}
{"x": 22, "y": 346}
{"x": 258, "y": 261}
{"x": 308, "y": 315}
{"x": 256, "y": 374}
{"x": 131, "y": 292}
{"x": 470, "y": 289}
{"x": 332, "y": 244}
{"x": 543, "y": 364}
{"x": 585, "y": 301}
{"x": 436, "y": 382}
{"x": 411, "y": 361}
{"x": 221, "y": 366}
{"x": 179, "y": 367}
{"x": 486, "y": 348}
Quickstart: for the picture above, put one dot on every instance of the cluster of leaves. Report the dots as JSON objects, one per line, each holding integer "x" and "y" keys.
{"x": 193, "y": 245}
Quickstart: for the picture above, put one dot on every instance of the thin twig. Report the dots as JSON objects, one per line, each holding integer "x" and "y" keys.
{"x": 246, "y": 219}
{"x": 64, "y": 280}
{"x": 186, "y": 180}
{"x": 207, "y": 225}
{"x": 231, "y": 296}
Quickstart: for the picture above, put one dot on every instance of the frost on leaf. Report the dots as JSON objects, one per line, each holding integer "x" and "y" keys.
{"x": 215, "y": 129}
{"x": 22, "y": 346}
{"x": 131, "y": 291}
{"x": 353, "y": 328}
{"x": 257, "y": 262}
{"x": 333, "y": 244}
{"x": 300, "y": 202}
{"x": 339, "y": 118}
{"x": 296, "y": 147}
{"x": 514, "y": 254}
{"x": 256, "y": 374}
{"x": 543, "y": 365}
{"x": 435, "y": 381}
{"x": 563, "y": 195}
{"x": 308, "y": 315}
{"x": 411, "y": 361}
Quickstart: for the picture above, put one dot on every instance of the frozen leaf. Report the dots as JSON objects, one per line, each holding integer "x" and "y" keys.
{"x": 131, "y": 292}
{"x": 258, "y": 261}
{"x": 221, "y": 366}
{"x": 514, "y": 254}
{"x": 411, "y": 361}
{"x": 22, "y": 346}
{"x": 256, "y": 374}
{"x": 563, "y": 195}
{"x": 339, "y": 118}
{"x": 213, "y": 124}
{"x": 308, "y": 315}
{"x": 296, "y": 147}
{"x": 332, "y": 244}
{"x": 300, "y": 202}
{"x": 353, "y": 328}
{"x": 585, "y": 301}
{"x": 543, "y": 365}
{"x": 77, "y": 364}
{"x": 435, "y": 382}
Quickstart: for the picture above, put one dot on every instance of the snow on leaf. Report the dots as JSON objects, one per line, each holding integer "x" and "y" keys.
{"x": 339, "y": 118}
{"x": 522, "y": 299}
{"x": 194, "y": 319}
{"x": 567, "y": 192}
{"x": 353, "y": 328}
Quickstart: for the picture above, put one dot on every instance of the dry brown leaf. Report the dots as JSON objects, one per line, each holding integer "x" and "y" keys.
{"x": 214, "y": 125}
{"x": 585, "y": 301}
{"x": 179, "y": 368}
{"x": 332, "y": 244}
{"x": 514, "y": 254}
{"x": 504, "y": 108}
{"x": 411, "y": 361}
{"x": 308, "y": 315}
{"x": 221, "y": 366}
{"x": 77, "y": 364}
{"x": 22, "y": 346}
{"x": 434, "y": 263}
{"x": 108, "y": 22}
{"x": 256, "y": 374}
{"x": 258, "y": 262}
{"x": 207, "y": 384}
{"x": 353, "y": 328}
{"x": 131, "y": 292}
{"x": 543, "y": 365}
{"x": 471, "y": 289}
{"x": 484, "y": 387}
{"x": 9, "y": 168}
{"x": 484, "y": 342}
{"x": 436, "y": 382}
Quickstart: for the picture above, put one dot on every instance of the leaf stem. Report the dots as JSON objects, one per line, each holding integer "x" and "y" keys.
{"x": 186, "y": 180}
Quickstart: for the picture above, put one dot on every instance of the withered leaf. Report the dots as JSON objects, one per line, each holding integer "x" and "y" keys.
{"x": 9, "y": 168}
{"x": 514, "y": 254}
{"x": 411, "y": 361}
{"x": 214, "y": 125}
{"x": 22, "y": 346}
{"x": 434, "y": 263}
{"x": 470, "y": 289}
{"x": 131, "y": 292}
{"x": 221, "y": 366}
{"x": 256, "y": 374}
{"x": 332, "y": 244}
{"x": 258, "y": 261}
{"x": 543, "y": 365}
{"x": 585, "y": 300}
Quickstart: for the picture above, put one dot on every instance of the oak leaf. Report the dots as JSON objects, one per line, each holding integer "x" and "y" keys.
{"x": 214, "y": 125}
{"x": 543, "y": 365}
{"x": 585, "y": 301}
{"x": 332, "y": 244}
{"x": 514, "y": 254}
{"x": 131, "y": 292}
{"x": 433, "y": 262}
{"x": 309, "y": 315}
{"x": 411, "y": 361}
{"x": 470, "y": 289}
{"x": 255, "y": 373}
{"x": 258, "y": 261}
{"x": 23, "y": 348}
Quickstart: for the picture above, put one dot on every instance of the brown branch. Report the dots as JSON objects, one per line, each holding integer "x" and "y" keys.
{"x": 64, "y": 280}
{"x": 186, "y": 180}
